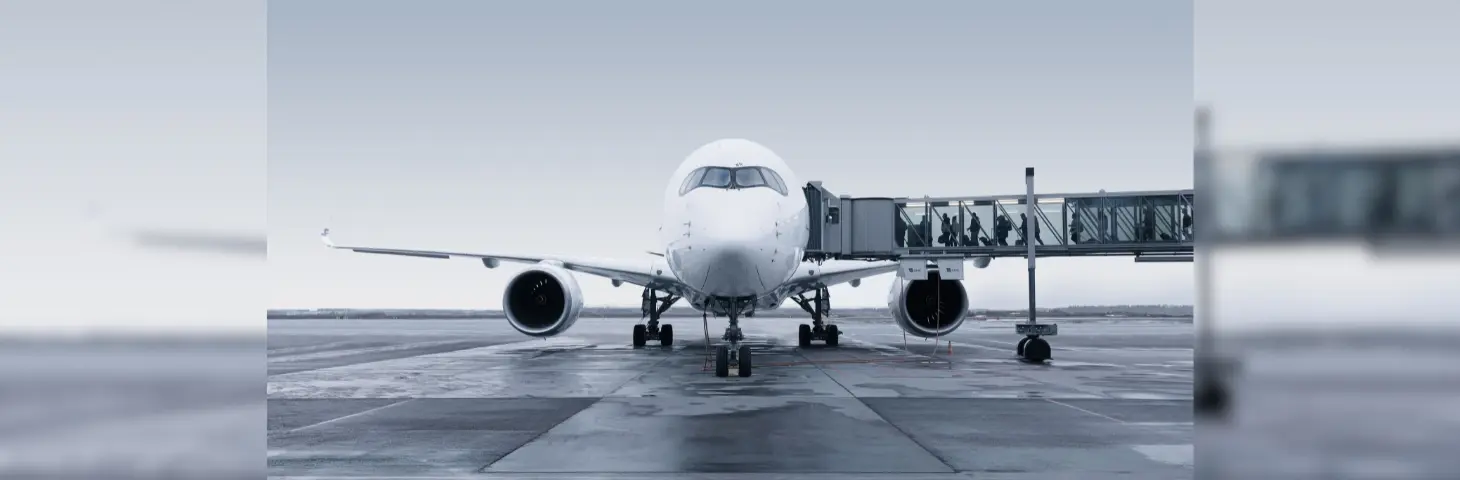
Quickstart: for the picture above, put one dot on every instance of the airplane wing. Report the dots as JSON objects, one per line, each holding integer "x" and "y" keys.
{"x": 811, "y": 277}
{"x": 650, "y": 272}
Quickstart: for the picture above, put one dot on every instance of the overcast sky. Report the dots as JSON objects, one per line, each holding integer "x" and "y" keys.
{"x": 484, "y": 127}
{"x": 499, "y": 128}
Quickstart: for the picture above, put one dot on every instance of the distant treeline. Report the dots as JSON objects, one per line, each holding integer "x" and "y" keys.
{"x": 1151, "y": 311}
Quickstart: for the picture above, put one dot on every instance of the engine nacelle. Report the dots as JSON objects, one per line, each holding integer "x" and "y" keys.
{"x": 928, "y": 308}
{"x": 542, "y": 301}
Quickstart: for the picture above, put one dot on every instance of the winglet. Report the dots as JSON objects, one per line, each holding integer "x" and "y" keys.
{"x": 325, "y": 237}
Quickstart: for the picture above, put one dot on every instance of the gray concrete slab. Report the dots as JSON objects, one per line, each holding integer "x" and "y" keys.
{"x": 587, "y": 405}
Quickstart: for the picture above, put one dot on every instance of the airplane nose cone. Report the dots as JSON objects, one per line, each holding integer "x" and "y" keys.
{"x": 731, "y": 270}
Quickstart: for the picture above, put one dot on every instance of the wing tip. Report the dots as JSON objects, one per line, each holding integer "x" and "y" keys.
{"x": 324, "y": 237}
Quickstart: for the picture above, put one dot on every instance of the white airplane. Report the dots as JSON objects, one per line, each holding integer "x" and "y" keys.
{"x": 734, "y": 234}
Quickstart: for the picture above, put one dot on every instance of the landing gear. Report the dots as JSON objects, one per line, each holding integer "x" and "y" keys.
{"x": 653, "y": 307}
{"x": 819, "y": 307}
{"x": 732, "y": 352}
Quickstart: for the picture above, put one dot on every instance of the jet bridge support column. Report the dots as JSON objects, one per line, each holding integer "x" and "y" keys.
{"x": 1211, "y": 391}
{"x": 1032, "y": 347}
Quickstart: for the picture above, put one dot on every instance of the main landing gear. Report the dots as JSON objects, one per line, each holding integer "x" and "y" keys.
{"x": 818, "y": 307}
{"x": 731, "y": 352}
{"x": 654, "y": 307}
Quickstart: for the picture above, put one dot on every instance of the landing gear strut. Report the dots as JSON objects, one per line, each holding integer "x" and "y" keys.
{"x": 653, "y": 307}
{"x": 732, "y": 352}
{"x": 819, "y": 306}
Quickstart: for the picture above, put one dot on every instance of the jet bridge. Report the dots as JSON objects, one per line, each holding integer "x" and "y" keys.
{"x": 1147, "y": 225}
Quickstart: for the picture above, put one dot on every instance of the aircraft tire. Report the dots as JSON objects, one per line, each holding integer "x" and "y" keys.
{"x": 722, "y": 361}
{"x": 744, "y": 360}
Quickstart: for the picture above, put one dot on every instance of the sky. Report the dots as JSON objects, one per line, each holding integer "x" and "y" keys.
{"x": 124, "y": 115}
{"x": 491, "y": 127}
{"x": 1308, "y": 73}
{"x": 517, "y": 128}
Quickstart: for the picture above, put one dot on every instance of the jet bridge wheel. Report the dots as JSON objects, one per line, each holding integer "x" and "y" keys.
{"x": 722, "y": 361}
{"x": 1036, "y": 349}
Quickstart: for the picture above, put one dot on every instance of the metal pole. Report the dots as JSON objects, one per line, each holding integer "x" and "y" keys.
{"x": 1029, "y": 223}
{"x": 1202, "y": 231}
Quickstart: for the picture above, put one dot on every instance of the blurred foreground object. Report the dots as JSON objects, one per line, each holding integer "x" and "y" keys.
{"x": 1211, "y": 394}
{"x": 235, "y": 244}
{"x": 1399, "y": 199}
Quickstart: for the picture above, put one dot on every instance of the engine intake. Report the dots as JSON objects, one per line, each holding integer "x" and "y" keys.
{"x": 928, "y": 308}
{"x": 542, "y": 301}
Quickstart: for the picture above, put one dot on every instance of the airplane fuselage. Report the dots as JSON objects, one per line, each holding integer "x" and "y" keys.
{"x": 734, "y": 224}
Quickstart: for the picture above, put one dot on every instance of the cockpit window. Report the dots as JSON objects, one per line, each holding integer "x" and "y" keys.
{"x": 717, "y": 177}
{"x": 691, "y": 181}
{"x": 775, "y": 180}
{"x": 748, "y": 177}
{"x": 733, "y": 178}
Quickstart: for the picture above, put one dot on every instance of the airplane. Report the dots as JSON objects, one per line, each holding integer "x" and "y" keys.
{"x": 733, "y": 238}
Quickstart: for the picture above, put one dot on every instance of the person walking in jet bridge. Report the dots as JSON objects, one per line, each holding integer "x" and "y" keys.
{"x": 959, "y": 238}
{"x": 1077, "y": 228}
{"x": 975, "y": 228}
{"x": 925, "y": 232}
{"x": 946, "y": 238}
{"x": 1001, "y": 230}
{"x": 1023, "y": 227}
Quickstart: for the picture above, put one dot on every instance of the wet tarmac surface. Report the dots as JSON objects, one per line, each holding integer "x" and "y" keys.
{"x": 472, "y": 398}
{"x": 179, "y": 408}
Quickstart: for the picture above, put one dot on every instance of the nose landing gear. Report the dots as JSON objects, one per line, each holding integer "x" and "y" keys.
{"x": 731, "y": 353}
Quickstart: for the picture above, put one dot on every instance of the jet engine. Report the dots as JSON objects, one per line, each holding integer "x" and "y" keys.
{"x": 542, "y": 301}
{"x": 928, "y": 308}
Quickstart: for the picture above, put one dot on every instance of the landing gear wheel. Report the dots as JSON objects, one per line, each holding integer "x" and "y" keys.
{"x": 833, "y": 336}
{"x": 722, "y": 361}
{"x": 666, "y": 335}
{"x": 641, "y": 334}
{"x": 804, "y": 336}
{"x": 1019, "y": 349}
{"x": 744, "y": 360}
{"x": 1037, "y": 350}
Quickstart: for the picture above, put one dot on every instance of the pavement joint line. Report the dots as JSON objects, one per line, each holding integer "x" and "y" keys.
{"x": 352, "y": 415}
{"x": 951, "y": 468}
{"x": 609, "y": 393}
{"x": 1101, "y": 415}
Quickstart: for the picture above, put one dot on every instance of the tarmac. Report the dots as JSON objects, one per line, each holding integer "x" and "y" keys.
{"x": 473, "y": 398}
